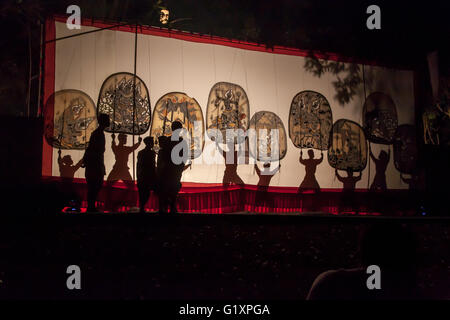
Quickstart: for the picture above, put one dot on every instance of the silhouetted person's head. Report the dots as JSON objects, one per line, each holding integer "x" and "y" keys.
{"x": 176, "y": 125}
{"x": 122, "y": 137}
{"x": 388, "y": 245}
{"x": 383, "y": 155}
{"x": 266, "y": 165}
{"x": 103, "y": 120}
{"x": 149, "y": 142}
{"x": 349, "y": 172}
{"x": 162, "y": 141}
{"x": 311, "y": 153}
{"x": 67, "y": 160}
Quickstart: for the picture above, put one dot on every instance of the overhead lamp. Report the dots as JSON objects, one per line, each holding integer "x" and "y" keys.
{"x": 164, "y": 16}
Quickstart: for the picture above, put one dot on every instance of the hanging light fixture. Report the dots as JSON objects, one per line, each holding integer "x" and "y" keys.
{"x": 164, "y": 16}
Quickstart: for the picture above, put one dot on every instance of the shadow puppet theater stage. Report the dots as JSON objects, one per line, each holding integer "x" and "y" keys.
{"x": 345, "y": 134}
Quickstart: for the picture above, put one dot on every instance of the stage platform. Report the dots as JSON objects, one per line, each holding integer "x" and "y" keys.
{"x": 245, "y": 216}
{"x": 229, "y": 199}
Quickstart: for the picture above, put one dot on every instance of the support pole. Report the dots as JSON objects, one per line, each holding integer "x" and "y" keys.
{"x": 134, "y": 96}
{"x": 92, "y": 31}
{"x": 41, "y": 47}
{"x": 365, "y": 98}
{"x": 165, "y": 118}
{"x": 114, "y": 106}
{"x": 61, "y": 134}
{"x": 30, "y": 67}
{"x": 85, "y": 129}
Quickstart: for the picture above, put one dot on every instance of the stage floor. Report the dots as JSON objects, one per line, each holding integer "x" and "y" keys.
{"x": 219, "y": 198}
{"x": 259, "y": 216}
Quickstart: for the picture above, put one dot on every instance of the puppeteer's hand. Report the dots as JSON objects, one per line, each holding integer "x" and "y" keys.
{"x": 140, "y": 140}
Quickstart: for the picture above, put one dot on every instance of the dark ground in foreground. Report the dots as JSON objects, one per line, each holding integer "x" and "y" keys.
{"x": 196, "y": 256}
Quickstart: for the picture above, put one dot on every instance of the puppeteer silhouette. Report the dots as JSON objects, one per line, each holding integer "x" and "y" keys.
{"x": 263, "y": 198}
{"x": 310, "y": 182}
{"x": 146, "y": 172}
{"x": 348, "y": 198}
{"x": 168, "y": 171}
{"x": 94, "y": 162}
{"x": 230, "y": 174}
{"x": 379, "y": 182}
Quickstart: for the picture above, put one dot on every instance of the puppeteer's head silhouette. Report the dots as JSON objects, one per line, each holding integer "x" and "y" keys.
{"x": 122, "y": 138}
{"x": 149, "y": 142}
{"x": 103, "y": 120}
{"x": 176, "y": 125}
{"x": 67, "y": 160}
{"x": 349, "y": 172}
{"x": 383, "y": 155}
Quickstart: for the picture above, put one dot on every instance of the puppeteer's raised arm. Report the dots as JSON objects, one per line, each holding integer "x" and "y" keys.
{"x": 113, "y": 141}
{"x": 137, "y": 144}
{"x": 258, "y": 172}
{"x": 275, "y": 170}
{"x": 371, "y": 155}
{"x": 221, "y": 150}
{"x": 321, "y": 158}
{"x": 338, "y": 176}
{"x": 79, "y": 164}
{"x": 187, "y": 166}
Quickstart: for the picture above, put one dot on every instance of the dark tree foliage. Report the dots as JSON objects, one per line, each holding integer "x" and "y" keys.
{"x": 409, "y": 30}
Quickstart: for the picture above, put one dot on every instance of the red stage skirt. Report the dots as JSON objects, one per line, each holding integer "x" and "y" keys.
{"x": 219, "y": 198}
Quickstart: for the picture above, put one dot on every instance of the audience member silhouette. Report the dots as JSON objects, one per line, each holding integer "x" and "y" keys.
{"x": 349, "y": 183}
{"x": 379, "y": 182}
{"x": 94, "y": 162}
{"x": 146, "y": 172}
{"x": 262, "y": 196}
{"x": 390, "y": 246}
{"x": 168, "y": 172}
{"x": 230, "y": 174}
{"x": 310, "y": 182}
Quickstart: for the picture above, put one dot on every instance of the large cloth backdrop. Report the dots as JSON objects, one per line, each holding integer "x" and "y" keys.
{"x": 173, "y": 61}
